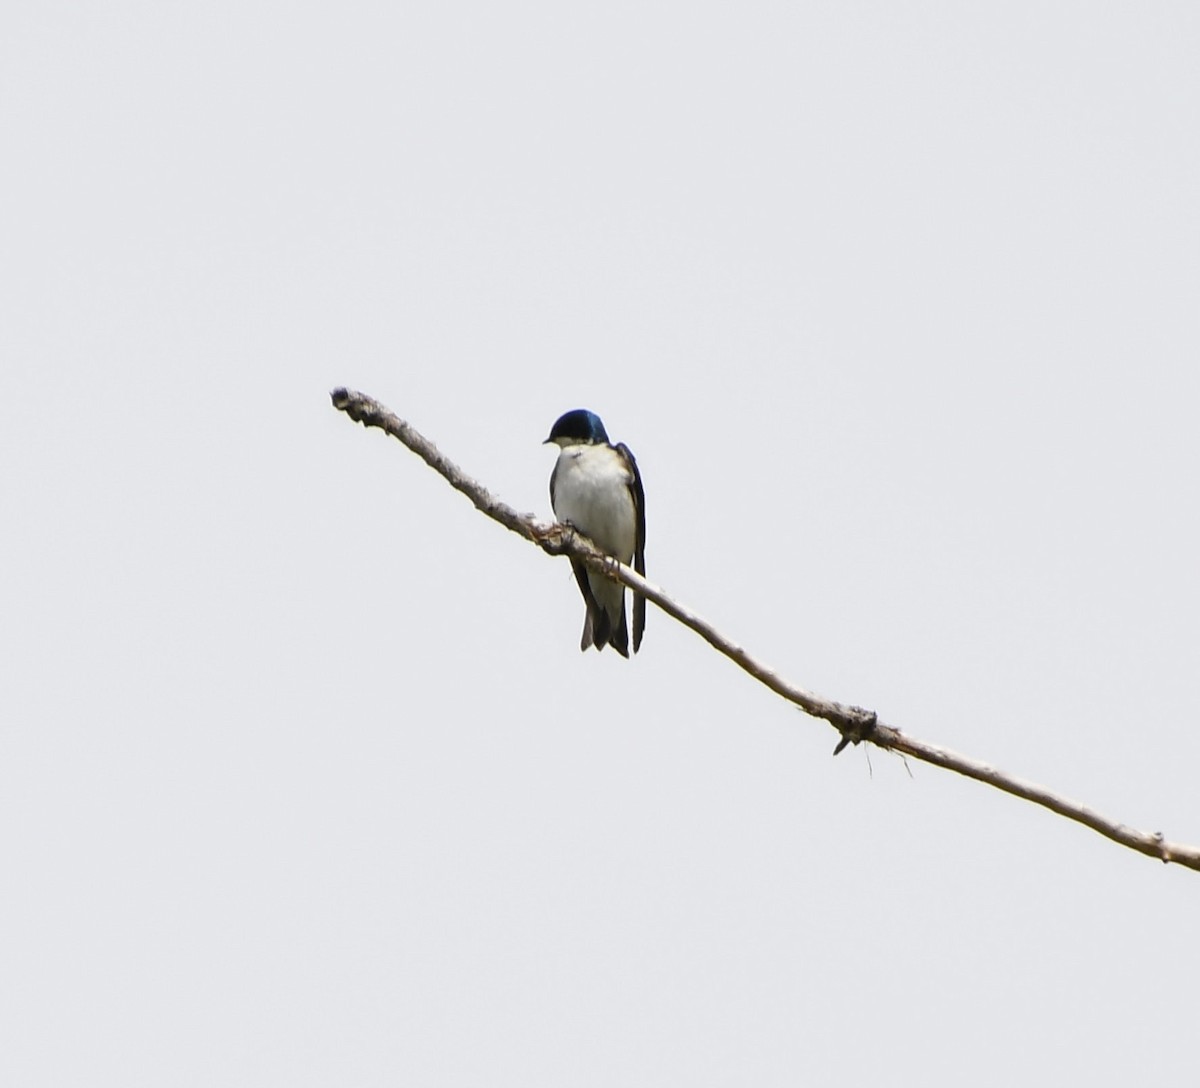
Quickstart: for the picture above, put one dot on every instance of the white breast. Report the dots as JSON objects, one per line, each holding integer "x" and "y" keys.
{"x": 591, "y": 491}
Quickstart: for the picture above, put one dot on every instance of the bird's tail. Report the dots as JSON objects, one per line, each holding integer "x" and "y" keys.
{"x": 618, "y": 633}
{"x": 600, "y": 631}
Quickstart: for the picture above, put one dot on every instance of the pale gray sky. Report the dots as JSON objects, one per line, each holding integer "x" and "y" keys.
{"x": 303, "y": 779}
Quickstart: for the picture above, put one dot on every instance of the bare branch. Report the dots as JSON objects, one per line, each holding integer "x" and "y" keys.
{"x": 853, "y": 723}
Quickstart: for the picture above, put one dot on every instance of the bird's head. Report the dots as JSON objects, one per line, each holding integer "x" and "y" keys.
{"x": 578, "y": 427}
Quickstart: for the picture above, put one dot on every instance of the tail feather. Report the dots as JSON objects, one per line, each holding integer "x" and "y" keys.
{"x": 599, "y": 631}
{"x": 596, "y": 628}
{"x": 618, "y": 635}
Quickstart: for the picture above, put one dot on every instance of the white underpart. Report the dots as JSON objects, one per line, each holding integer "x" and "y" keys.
{"x": 591, "y": 491}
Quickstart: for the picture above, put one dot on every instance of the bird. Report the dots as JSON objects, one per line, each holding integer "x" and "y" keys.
{"x": 597, "y": 489}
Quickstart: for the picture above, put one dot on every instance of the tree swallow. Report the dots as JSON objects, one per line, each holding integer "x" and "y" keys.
{"x": 597, "y": 489}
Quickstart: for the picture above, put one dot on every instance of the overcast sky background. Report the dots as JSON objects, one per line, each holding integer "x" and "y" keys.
{"x": 303, "y": 778}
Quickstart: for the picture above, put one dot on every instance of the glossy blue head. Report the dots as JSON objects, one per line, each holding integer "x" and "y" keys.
{"x": 578, "y": 427}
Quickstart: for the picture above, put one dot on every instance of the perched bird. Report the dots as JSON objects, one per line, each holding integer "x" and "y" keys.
{"x": 596, "y": 488}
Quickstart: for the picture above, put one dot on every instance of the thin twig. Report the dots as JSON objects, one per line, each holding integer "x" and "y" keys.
{"x": 853, "y": 723}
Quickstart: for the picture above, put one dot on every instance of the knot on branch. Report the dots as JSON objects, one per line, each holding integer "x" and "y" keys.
{"x": 553, "y": 537}
{"x": 855, "y": 724}
{"x": 562, "y": 538}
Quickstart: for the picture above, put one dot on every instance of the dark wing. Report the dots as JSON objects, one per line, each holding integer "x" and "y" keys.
{"x": 553, "y": 478}
{"x": 639, "y": 553}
